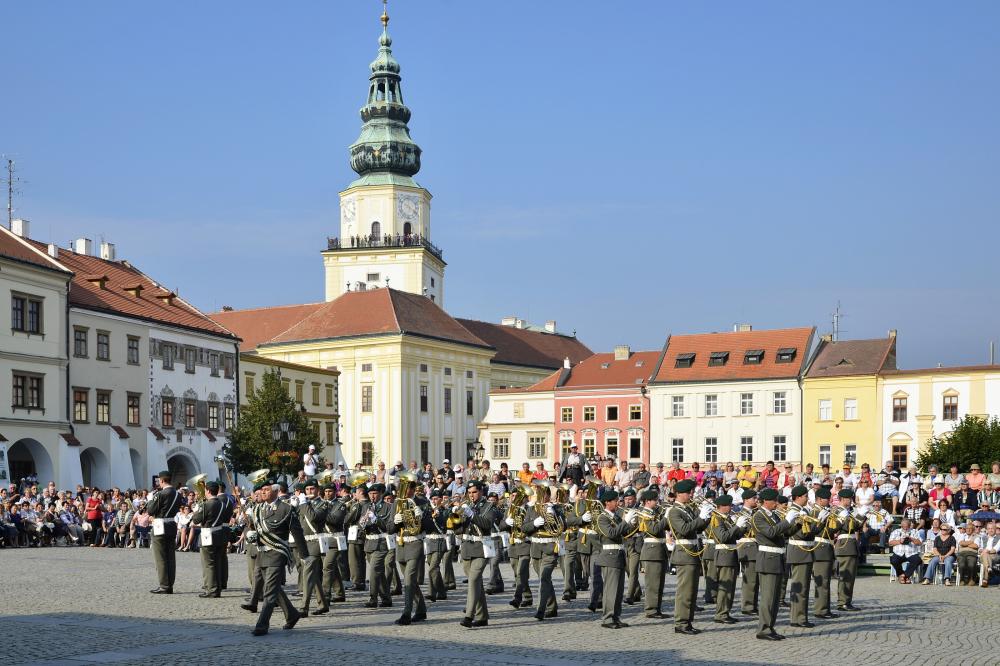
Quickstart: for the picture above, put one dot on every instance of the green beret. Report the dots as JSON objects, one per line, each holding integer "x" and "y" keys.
{"x": 769, "y": 494}
{"x": 647, "y": 495}
{"x": 685, "y": 486}
{"x": 608, "y": 495}
{"x": 377, "y": 488}
{"x": 328, "y": 486}
{"x": 655, "y": 487}
{"x": 263, "y": 482}
{"x": 799, "y": 491}
{"x": 724, "y": 500}
{"x": 846, "y": 493}
{"x": 749, "y": 493}
{"x": 629, "y": 492}
{"x": 823, "y": 493}
{"x": 437, "y": 492}
{"x": 311, "y": 483}
{"x": 165, "y": 475}
{"x": 299, "y": 486}
{"x": 363, "y": 488}
{"x": 782, "y": 499}
{"x": 212, "y": 485}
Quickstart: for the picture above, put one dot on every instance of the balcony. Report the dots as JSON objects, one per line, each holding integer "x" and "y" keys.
{"x": 384, "y": 241}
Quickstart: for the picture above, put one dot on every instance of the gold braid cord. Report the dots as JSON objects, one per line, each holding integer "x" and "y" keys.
{"x": 680, "y": 545}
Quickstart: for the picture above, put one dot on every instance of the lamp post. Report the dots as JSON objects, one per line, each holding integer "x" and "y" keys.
{"x": 850, "y": 458}
{"x": 283, "y": 431}
{"x": 478, "y": 454}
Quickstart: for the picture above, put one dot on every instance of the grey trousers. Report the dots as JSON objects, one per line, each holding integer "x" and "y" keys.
{"x": 356, "y": 563}
{"x": 726, "y": 591}
{"x": 801, "y": 576}
{"x": 522, "y": 588}
{"x": 333, "y": 584}
{"x": 475, "y": 599}
{"x": 311, "y": 578}
{"x": 212, "y": 568}
{"x": 686, "y": 594}
{"x": 750, "y": 586}
{"x": 822, "y": 573}
{"x": 654, "y": 577}
{"x": 544, "y": 566}
{"x": 769, "y": 589}
{"x": 711, "y": 582}
{"x": 634, "y": 592}
{"x": 614, "y": 590}
{"x": 274, "y": 578}
{"x": 412, "y": 595}
{"x": 376, "y": 577}
{"x": 164, "y": 554}
{"x": 848, "y": 571}
{"x": 437, "y": 588}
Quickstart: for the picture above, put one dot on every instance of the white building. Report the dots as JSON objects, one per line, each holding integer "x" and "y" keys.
{"x": 519, "y": 425}
{"x": 721, "y": 397}
{"x": 921, "y": 404}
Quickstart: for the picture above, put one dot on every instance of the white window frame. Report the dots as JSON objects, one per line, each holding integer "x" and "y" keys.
{"x": 583, "y": 415}
{"x": 779, "y": 402}
{"x": 746, "y": 441}
{"x": 779, "y": 454}
{"x": 850, "y": 409}
{"x": 537, "y": 444}
{"x": 636, "y": 407}
{"x": 677, "y": 406}
{"x": 500, "y": 445}
{"x": 825, "y": 409}
{"x": 712, "y": 449}
{"x": 825, "y": 454}
{"x": 711, "y": 404}
{"x": 746, "y": 404}
{"x": 562, "y": 415}
{"x": 677, "y": 449}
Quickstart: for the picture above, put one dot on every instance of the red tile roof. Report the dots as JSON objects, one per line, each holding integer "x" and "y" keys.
{"x": 603, "y": 371}
{"x": 258, "y": 325}
{"x": 151, "y": 303}
{"x": 518, "y": 346}
{"x": 70, "y": 438}
{"x": 14, "y": 247}
{"x": 379, "y": 311}
{"x": 702, "y": 345}
{"x": 853, "y": 357}
{"x": 120, "y": 431}
{"x": 945, "y": 370}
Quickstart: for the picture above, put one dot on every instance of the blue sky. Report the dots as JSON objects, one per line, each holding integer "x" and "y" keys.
{"x": 628, "y": 170}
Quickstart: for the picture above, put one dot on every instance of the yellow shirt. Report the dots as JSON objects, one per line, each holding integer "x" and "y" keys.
{"x": 524, "y": 477}
{"x": 747, "y": 478}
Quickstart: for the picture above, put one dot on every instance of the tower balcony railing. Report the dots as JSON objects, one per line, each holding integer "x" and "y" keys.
{"x": 385, "y": 240}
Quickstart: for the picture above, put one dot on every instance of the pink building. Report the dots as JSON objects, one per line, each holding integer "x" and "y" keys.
{"x": 602, "y": 406}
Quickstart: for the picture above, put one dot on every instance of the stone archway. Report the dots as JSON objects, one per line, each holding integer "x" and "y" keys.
{"x": 182, "y": 465}
{"x": 27, "y": 457}
{"x": 96, "y": 468}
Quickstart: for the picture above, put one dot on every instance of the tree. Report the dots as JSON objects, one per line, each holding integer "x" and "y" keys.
{"x": 972, "y": 440}
{"x": 251, "y": 445}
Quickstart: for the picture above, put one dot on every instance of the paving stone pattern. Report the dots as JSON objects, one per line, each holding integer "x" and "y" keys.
{"x": 87, "y": 606}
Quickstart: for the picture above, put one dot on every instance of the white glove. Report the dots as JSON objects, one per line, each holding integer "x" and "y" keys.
{"x": 418, "y": 512}
{"x": 398, "y": 519}
{"x": 371, "y": 516}
{"x": 509, "y": 521}
{"x": 843, "y": 514}
{"x": 860, "y": 512}
{"x": 551, "y": 511}
{"x": 823, "y": 515}
{"x": 587, "y": 517}
{"x": 792, "y": 515}
{"x": 630, "y": 515}
{"x": 539, "y": 521}
{"x": 456, "y": 510}
{"x": 705, "y": 511}
{"x": 742, "y": 521}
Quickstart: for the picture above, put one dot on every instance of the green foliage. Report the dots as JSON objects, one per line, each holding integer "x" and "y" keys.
{"x": 251, "y": 446}
{"x": 973, "y": 440}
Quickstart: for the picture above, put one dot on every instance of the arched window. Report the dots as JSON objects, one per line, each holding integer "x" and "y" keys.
{"x": 376, "y": 230}
{"x": 407, "y": 228}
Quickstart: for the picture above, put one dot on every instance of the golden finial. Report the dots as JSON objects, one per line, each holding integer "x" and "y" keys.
{"x": 385, "y": 13}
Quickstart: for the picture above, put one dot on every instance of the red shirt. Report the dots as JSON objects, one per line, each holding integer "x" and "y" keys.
{"x": 540, "y": 474}
{"x": 676, "y": 475}
{"x": 93, "y": 509}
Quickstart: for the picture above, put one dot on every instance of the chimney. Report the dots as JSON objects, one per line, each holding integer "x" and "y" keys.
{"x": 508, "y": 321}
{"x": 892, "y": 334}
{"x": 550, "y": 326}
{"x": 566, "y": 363}
{"x": 107, "y": 251}
{"x": 20, "y": 228}
{"x": 519, "y": 323}
{"x": 742, "y": 328}
{"x": 621, "y": 352}
{"x": 826, "y": 337}
{"x": 53, "y": 250}
{"x": 82, "y": 246}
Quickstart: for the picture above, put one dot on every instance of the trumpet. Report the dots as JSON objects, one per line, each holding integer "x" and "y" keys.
{"x": 199, "y": 485}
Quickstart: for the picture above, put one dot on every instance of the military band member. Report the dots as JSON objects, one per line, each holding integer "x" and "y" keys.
{"x": 653, "y": 555}
{"x": 846, "y": 550}
{"x": 685, "y": 524}
{"x": 273, "y": 521}
{"x": 162, "y": 508}
{"x": 746, "y": 546}
{"x": 520, "y": 559}
{"x": 436, "y": 545}
{"x": 570, "y": 559}
{"x": 410, "y": 554}
{"x": 708, "y": 562}
{"x": 494, "y": 577}
{"x": 783, "y": 586}
{"x": 250, "y": 539}
{"x": 543, "y": 524}
{"x": 727, "y": 534}
{"x": 611, "y": 558}
{"x": 823, "y": 558}
{"x": 770, "y": 532}
{"x": 213, "y": 517}
{"x": 312, "y": 517}
{"x": 356, "y": 539}
{"x": 801, "y": 548}
{"x": 633, "y": 544}
{"x": 336, "y": 545}
{"x": 374, "y": 523}
{"x": 586, "y": 543}
{"x": 478, "y": 518}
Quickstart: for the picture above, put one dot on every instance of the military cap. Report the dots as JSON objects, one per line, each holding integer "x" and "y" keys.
{"x": 165, "y": 475}
{"x": 212, "y": 485}
{"x": 782, "y": 499}
{"x": 629, "y": 492}
{"x": 799, "y": 491}
{"x": 310, "y": 483}
{"x": 769, "y": 494}
{"x": 363, "y": 488}
{"x": 377, "y": 488}
{"x": 823, "y": 493}
{"x": 685, "y": 486}
{"x": 299, "y": 486}
{"x": 846, "y": 493}
{"x": 262, "y": 483}
{"x": 281, "y": 485}
{"x": 749, "y": 493}
{"x": 724, "y": 500}
{"x": 477, "y": 484}
{"x": 497, "y": 495}
{"x": 608, "y": 495}
{"x": 437, "y": 492}
{"x": 647, "y": 495}
{"x": 655, "y": 487}
{"x": 328, "y": 486}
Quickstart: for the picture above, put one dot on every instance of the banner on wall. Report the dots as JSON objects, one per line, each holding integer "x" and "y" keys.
{"x": 4, "y": 467}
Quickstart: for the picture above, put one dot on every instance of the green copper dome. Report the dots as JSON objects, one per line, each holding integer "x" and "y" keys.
{"x": 385, "y": 153}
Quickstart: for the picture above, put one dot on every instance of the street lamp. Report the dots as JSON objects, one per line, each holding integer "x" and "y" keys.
{"x": 479, "y": 453}
{"x": 850, "y": 458}
{"x": 283, "y": 430}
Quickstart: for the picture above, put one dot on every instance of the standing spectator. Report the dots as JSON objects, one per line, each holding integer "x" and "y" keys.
{"x": 309, "y": 461}
{"x": 944, "y": 552}
{"x": 575, "y": 466}
{"x": 729, "y": 475}
{"x": 141, "y": 522}
{"x": 975, "y": 477}
{"x": 624, "y": 476}
{"x": 608, "y": 473}
{"x": 747, "y": 477}
{"x": 953, "y": 479}
{"x": 905, "y": 542}
{"x": 95, "y": 517}
{"x": 642, "y": 477}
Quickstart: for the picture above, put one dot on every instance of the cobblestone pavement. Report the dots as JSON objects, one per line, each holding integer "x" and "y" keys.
{"x": 86, "y": 606}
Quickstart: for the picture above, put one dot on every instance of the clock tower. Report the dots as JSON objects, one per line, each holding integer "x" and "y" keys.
{"x": 385, "y": 216}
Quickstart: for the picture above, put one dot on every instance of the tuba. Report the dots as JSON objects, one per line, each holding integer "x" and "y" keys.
{"x": 406, "y": 507}
{"x": 199, "y": 486}
{"x": 515, "y": 509}
{"x": 257, "y": 476}
{"x": 553, "y": 526}
{"x": 325, "y": 477}
{"x": 590, "y": 501}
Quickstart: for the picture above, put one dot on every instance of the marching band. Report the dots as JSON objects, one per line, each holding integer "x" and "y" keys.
{"x": 598, "y": 538}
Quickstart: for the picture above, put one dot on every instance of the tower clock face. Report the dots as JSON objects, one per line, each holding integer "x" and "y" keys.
{"x": 348, "y": 211}
{"x": 409, "y": 208}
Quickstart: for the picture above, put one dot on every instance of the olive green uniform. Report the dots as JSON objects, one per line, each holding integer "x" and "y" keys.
{"x": 611, "y": 559}
{"x": 685, "y": 526}
{"x": 770, "y": 532}
{"x": 746, "y": 546}
{"x": 823, "y": 565}
{"x": 213, "y": 516}
{"x": 847, "y": 550}
{"x": 312, "y": 518}
{"x": 475, "y": 528}
{"x": 727, "y": 533}
{"x": 164, "y": 506}
{"x": 333, "y": 584}
{"x": 800, "y": 556}
{"x": 411, "y": 555}
{"x": 436, "y": 546}
{"x": 653, "y": 557}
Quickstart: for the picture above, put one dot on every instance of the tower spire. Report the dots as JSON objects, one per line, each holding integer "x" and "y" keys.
{"x": 384, "y": 152}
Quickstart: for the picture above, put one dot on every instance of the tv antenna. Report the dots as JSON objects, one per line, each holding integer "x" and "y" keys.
{"x": 837, "y": 316}
{"x": 11, "y": 180}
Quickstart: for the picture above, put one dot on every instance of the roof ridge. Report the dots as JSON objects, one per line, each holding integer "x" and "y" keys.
{"x": 512, "y": 328}
{"x": 270, "y": 307}
{"x": 392, "y": 309}
{"x": 30, "y": 244}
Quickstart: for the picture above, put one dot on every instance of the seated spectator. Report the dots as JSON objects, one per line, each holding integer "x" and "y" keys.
{"x": 966, "y": 500}
{"x": 496, "y": 486}
{"x": 905, "y": 559}
{"x": 994, "y": 476}
{"x": 747, "y": 476}
{"x": 943, "y": 552}
{"x": 849, "y": 477}
{"x": 8, "y": 531}
{"x": 989, "y": 547}
{"x": 988, "y": 497}
{"x": 953, "y": 479}
{"x": 540, "y": 472}
{"x": 642, "y": 477}
{"x": 457, "y": 487}
{"x": 945, "y": 514}
{"x": 917, "y": 513}
{"x": 887, "y": 490}
{"x": 525, "y": 475}
{"x": 108, "y": 526}
{"x": 786, "y": 480}
{"x": 141, "y": 521}
{"x": 70, "y": 518}
{"x": 696, "y": 474}
{"x": 877, "y": 523}
{"x": 864, "y": 494}
{"x": 122, "y": 524}
{"x": 624, "y": 476}
{"x": 713, "y": 470}
{"x": 916, "y": 489}
{"x": 729, "y": 474}
{"x": 975, "y": 477}
{"x": 711, "y": 490}
{"x": 183, "y": 521}
{"x": 968, "y": 554}
{"x": 939, "y": 492}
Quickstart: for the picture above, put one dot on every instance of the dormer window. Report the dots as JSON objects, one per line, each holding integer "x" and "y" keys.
{"x": 684, "y": 361}
{"x": 753, "y": 357}
{"x": 718, "y": 358}
{"x": 135, "y": 290}
{"x": 605, "y": 366}
{"x": 101, "y": 281}
{"x": 786, "y": 355}
{"x": 638, "y": 364}
{"x": 167, "y": 298}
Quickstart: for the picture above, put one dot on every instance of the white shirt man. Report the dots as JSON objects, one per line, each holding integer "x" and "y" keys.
{"x": 309, "y": 461}
{"x": 906, "y": 546}
{"x": 850, "y": 478}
